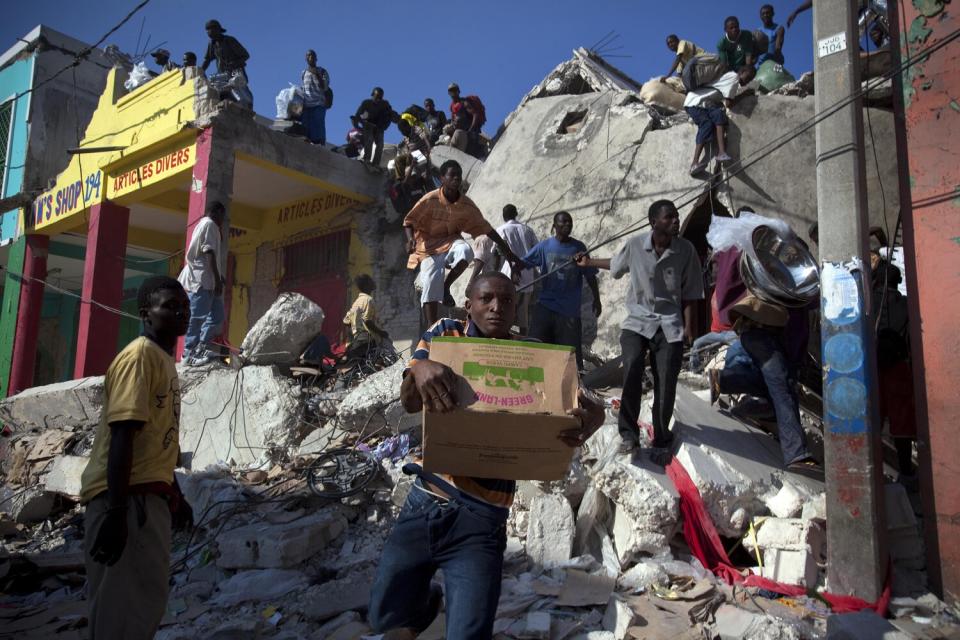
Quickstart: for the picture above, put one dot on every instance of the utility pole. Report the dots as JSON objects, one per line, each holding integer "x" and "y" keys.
{"x": 856, "y": 558}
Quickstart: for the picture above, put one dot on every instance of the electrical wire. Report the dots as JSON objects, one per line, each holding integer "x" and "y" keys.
{"x": 767, "y": 149}
{"x": 83, "y": 53}
{"x": 119, "y": 312}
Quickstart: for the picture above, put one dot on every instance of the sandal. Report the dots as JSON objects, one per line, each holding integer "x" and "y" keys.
{"x": 714, "y": 376}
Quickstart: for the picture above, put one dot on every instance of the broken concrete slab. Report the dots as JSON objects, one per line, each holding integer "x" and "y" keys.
{"x": 320, "y": 439}
{"x": 863, "y": 625}
{"x": 258, "y": 585}
{"x": 792, "y": 549}
{"x": 30, "y": 504}
{"x": 284, "y": 331}
{"x": 70, "y": 405}
{"x": 536, "y": 626}
{"x": 63, "y": 476}
{"x": 264, "y": 545}
{"x": 471, "y": 166}
{"x": 238, "y": 415}
{"x": 646, "y": 503}
{"x": 737, "y": 469}
{"x": 618, "y": 617}
{"x": 550, "y": 530}
{"x": 375, "y": 403}
{"x": 330, "y": 599}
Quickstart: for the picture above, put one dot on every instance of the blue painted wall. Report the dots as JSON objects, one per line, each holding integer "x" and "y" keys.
{"x": 15, "y": 78}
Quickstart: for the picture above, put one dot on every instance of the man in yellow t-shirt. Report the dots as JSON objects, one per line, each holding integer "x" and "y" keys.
{"x": 128, "y": 487}
{"x": 685, "y": 50}
{"x": 361, "y": 319}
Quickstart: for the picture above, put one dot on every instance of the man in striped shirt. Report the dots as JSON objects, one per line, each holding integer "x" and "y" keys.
{"x": 454, "y": 523}
{"x": 315, "y": 81}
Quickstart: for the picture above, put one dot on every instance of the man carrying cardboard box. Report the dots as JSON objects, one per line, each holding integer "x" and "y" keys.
{"x": 454, "y": 523}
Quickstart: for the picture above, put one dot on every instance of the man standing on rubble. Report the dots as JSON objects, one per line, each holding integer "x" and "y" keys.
{"x": 454, "y": 523}
{"x": 373, "y": 116}
{"x": 556, "y": 316}
{"x": 128, "y": 487}
{"x": 521, "y": 239}
{"x": 201, "y": 278}
{"x": 434, "y": 241}
{"x": 665, "y": 279}
{"x": 230, "y": 55}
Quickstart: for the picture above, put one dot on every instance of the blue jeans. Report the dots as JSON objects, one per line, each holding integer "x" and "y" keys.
{"x": 314, "y": 120}
{"x": 554, "y": 328}
{"x": 707, "y": 121}
{"x": 206, "y": 317}
{"x": 757, "y": 365}
{"x": 700, "y": 345}
{"x": 462, "y": 537}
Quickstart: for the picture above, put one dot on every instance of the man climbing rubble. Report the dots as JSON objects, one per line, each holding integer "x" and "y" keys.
{"x": 373, "y": 116}
{"x": 433, "y": 229}
{"x": 665, "y": 279}
{"x": 128, "y": 486}
{"x": 685, "y": 50}
{"x": 231, "y": 60}
{"x": 707, "y": 106}
{"x": 454, "y": 523}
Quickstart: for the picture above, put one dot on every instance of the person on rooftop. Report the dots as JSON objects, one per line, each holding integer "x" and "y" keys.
{"x": 685, "y": 51}
{"x": 162, "y": 58}
{"x": 435, "y": 122}
{"x": 373, "y": 116}
{"x": 774, "y": 33}
{"x": 316, "y": 83}
{"x": 230, "y": 55}
{"x": 736, "y": 48}
{"x": 434, "y": 229}
{"x": 454, "y": 523}
{"x": 707, "y": 106}
{"x": 189, "y": 59}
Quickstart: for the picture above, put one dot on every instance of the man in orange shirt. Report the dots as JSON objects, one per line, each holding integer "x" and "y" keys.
{"x": 434, "y": 241}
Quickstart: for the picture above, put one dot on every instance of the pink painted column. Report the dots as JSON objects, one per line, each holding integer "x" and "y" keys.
{"x": 212, "y": 182}
{"x": 28, "y": 313}
{"x": 99, "y": 329}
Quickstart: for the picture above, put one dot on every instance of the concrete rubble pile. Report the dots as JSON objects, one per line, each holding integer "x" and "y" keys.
{"x": 599, "y": 555}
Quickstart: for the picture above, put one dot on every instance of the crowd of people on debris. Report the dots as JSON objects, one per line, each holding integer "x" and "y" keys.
{"x": 457, "y": 523}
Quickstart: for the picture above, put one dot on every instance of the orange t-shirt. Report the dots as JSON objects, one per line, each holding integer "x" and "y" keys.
{"x": 437, "y": 223}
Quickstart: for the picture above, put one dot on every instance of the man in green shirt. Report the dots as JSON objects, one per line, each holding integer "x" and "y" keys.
{"x": 736, "y": 47}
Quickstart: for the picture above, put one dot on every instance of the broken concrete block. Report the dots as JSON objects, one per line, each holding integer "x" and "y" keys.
{"x": 328, "y": 436}
{"x": 642, "y": 575}
{"x": 272, "y": 546}
{"x": 792, "y": 549}
{"x": 646, "y": 503}
{"x": 284, "y": 331}
{"x": 258, "y": 585}
{"x": 734, "y": 623}
{"x": 64, "y": 405}
{"x": 29, "y": 505}
{"x": 471, "y": 166}
{"x": 223, "y": 418}
{"x": 333, "y": 598}
{"x": 536, "y": 626}
{"x": 64, "y": 474}
{"x": 375, "y": 403}
{"x": 815, "y": 508}
{"x": 863, "y": 625}
{"x": 550, "y": 530}
{"x": 788, "y": 502}
{"x": 618, "y": 617}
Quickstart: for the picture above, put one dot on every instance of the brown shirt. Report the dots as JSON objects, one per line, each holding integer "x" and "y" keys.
{"x": 437, "y": 223}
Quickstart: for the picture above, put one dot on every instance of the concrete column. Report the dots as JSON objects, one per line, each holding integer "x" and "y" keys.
{"x": 34, "y": 272}
{"x": 857, "y": 562}
{"x": 212, "y": 182}
{"x": 8, "y": 313}
{"x": 926, "y": 122}
{"x": 103, "y": 265}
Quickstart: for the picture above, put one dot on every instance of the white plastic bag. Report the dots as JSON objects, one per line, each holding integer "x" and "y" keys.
{"x": 736, "y": 232}
{"x": 292, "y": 96}
{"x": 138, "y": 76}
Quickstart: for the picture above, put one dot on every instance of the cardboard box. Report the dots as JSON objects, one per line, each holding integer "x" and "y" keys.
{"x": 513, "y": 397}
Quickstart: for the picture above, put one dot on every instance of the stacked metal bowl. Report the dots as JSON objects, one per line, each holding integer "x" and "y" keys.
{"x": 779, "y": 270}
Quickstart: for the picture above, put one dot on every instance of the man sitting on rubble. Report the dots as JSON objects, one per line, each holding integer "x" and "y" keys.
{"x": 433, "y": 229}
{"x": 707, "y": 106}
{"x": 685, "y": 51}
{"x": 128, "y": 486}
{"x": 435, "y": 121}
{"x": 454, "y": 523}
{"x": 736, "y": 47}
{"x": 665, "y": 279}
{"x": 467, "y": 115}
{"x": 361, "y": 320}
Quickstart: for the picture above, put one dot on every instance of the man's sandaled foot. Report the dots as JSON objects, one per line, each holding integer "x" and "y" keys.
{"x": 714, "y": 376}
{"x": 803, "y": 463}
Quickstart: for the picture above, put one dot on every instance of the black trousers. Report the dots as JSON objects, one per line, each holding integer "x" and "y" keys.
{"x": 666, "y": 358}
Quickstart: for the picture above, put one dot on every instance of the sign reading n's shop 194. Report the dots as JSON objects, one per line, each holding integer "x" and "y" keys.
{"x": 65, "y": 199}
{"x": 126, "y": 181}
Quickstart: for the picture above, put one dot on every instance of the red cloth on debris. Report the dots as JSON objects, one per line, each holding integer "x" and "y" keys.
{"x": 704, "y": 542}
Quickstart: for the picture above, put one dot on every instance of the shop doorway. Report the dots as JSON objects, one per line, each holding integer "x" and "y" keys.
{"x": 318, "y": 269}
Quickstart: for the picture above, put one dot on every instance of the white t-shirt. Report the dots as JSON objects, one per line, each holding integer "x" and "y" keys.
{"x": 521, "y": 239}
{"x": 726, "y": 85}
{"x": 196, "y": 273}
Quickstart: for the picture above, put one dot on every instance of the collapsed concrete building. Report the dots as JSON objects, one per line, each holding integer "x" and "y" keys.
{"x": 598, "y": 555}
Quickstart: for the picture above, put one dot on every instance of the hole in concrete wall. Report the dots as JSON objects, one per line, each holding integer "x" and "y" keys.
{"x": 572, "y": 122}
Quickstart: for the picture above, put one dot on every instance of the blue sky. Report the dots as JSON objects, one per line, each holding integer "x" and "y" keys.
{"x": 496, "y": 49}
